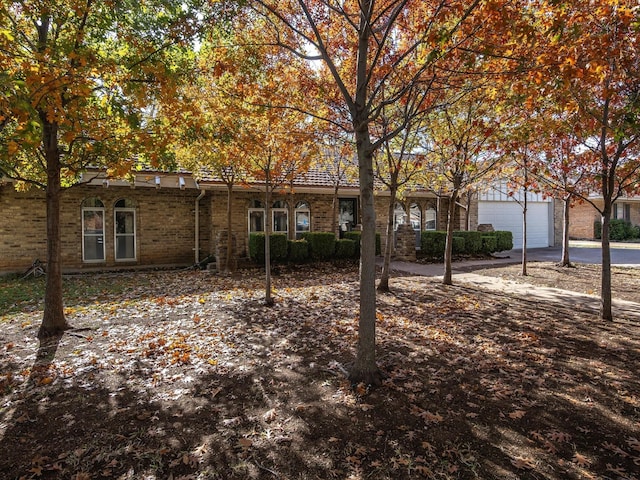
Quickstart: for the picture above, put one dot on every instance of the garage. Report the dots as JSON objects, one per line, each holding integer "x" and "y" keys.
{"x": 504, "y": 213}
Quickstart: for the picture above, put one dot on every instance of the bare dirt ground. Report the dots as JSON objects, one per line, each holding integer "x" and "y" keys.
{"x": 184, "y": 374}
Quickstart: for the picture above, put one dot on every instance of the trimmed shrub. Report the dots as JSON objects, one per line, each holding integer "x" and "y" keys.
{"x": 505, "y": 240}
{"x": 432, "y": 243}
{"x": 298, "y": 250}
{"x": 277, "y": 247}
{"x": 355, "y": 236}
{"x": 472, "y": 241}
{"x": 620, "y": 230}
{"x": 322, "y": 245}
{"x": 489, "y": 243}
{"x": 345, "y": 248}
{"x": 459, "y": 245}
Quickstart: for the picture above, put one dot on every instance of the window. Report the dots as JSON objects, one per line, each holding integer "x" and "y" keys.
{"x": 430, "y": 219}
{"x": 415, "y": 215}
{"x": 256, "y": 217}
{"x": 348, "y": 214}
{"x": 280, "y": 217}
{"x": 622, "y": 211}
{"x": 92, "y": 230}
{"x": 125, "y": 230}
{"x": 303, "y": 219}
{"x": 399, "y": 216}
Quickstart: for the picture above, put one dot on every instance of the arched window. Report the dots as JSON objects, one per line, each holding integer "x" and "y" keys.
{"x": 280, "y": 217}
{"x": 93, "y": 230}
{"x": 124, "y": 221}
{"x": 430, "y": 219}
{"x": 303, "y": 219}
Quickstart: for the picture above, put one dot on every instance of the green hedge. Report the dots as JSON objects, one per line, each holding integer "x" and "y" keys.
{"x": 489, "y": 244}
{"x": 322, "y": 245}
{"x": 355, "y": 236}
{"x": 432, "y": 243}
{"x": 459, "y": 245}
{"x": 619, "y": 230}
{"x": 277, "y": 245}
{"x": 504, "y": 240}
{"x": 345, "y": 248}
{"x": 472, "y": 241}
{"x": 298, "y": 250}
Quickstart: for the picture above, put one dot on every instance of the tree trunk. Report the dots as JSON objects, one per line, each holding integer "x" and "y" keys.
{"x": 268, "y": 300}
{"x": 523, "y": 271}
{"x": 447, "y": 278}
{"x": 228, "y": 259}
{"x": 383, "y": 286}
{"x": 336, "y": 223}
{"x": 605, "y": 277}
{"x": 365, "y": 369}
{"x": 566, "y": 205}
{"x": 53, "y": 321}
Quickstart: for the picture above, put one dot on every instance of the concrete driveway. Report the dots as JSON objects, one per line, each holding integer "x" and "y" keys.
{"x": 623, "y": 254}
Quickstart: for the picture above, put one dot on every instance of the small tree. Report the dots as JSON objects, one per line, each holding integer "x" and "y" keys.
{"x": 78, "y": 78}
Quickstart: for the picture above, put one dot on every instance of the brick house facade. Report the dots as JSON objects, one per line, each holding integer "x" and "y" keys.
{"x": 584, "y": 215}
{"x": 117, "y": 224}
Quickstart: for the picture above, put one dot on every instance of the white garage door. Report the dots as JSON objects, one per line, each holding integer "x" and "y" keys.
{"x": 508, "y": 216}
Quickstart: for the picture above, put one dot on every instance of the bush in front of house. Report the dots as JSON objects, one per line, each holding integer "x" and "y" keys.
{"x": 619, "y": 230}
{"x": 322, "y": 245}
{"x": 489, "y": 244}
{"x": 298, "y": 250}
{"x": 345, "y": 248}
{"x": 277, "y": 247}
{"x": 432, "y": 243}
{"x": 472, "y": 241}
{"x": 459, "y": 245}
{"x": 355, "y": 236}
{"x": 504, "y": 240}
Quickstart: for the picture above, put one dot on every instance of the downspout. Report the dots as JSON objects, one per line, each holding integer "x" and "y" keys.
{"x": 197, "y": 239}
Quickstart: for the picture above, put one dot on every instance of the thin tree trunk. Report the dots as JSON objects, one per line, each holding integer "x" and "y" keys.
{"x": 566, "y": 205}
{"x": 268, "y": 300}
{"x": 53, "y": 321}
{"x": 605, "y": 277}
{"x": 383, "y": 286}
{"x": 447, "y": 278}
{"x": 336, "y": 223}
{"x": 228, "y": 258}
{"x": 523, "y": 272}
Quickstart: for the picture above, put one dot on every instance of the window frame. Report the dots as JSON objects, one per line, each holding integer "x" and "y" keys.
{"x": 101, "y": 210}
{"x": 302, "y": 208}
{"x": 427, "y": 220}
{"x": 117, "y": 235}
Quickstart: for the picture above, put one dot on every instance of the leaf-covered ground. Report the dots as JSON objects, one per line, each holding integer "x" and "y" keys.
{"x": 185, "y": 374}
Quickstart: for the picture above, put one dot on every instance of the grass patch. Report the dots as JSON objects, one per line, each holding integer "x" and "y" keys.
{"x": 18, "y": 295}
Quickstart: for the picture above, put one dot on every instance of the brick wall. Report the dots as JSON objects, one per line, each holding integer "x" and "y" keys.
{"x": 583, "y": 216}
{"x": 581, "y": 220}
{"x": 165, "y": 225}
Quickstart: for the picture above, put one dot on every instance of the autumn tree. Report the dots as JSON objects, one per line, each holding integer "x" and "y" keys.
{"x": 396, "y": 164}
{"x": 77, "y": 78}
{"x": 588, "y": 59}
{"x": 373, "y": 54}
{"x": 461, "y": 152}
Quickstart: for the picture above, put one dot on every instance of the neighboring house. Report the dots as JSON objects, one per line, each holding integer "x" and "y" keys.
{"x": 170, "y": 219}
{"x": 584, "y": 216}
